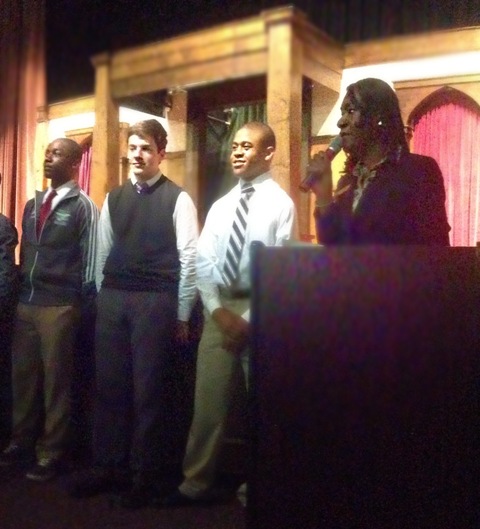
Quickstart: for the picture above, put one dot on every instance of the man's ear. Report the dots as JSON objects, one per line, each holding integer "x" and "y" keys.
{"x": 270, "y": 151}
{"x": 162, "y": 153}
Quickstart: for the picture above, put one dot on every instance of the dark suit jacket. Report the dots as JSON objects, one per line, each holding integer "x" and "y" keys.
{"x": 8, "y": 272}
{"x": 403, "y": 204}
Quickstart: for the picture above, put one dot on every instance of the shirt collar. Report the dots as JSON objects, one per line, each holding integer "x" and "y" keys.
{"x": 256, "y": 181}
{"x": 150, "y": 182}
{"x": 62, "y": 190}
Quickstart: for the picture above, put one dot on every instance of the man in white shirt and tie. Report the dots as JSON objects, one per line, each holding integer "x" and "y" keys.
{"x": 256, "y": 209}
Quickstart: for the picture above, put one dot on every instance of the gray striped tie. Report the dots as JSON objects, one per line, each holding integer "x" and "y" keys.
{"x": 237, "y": 236}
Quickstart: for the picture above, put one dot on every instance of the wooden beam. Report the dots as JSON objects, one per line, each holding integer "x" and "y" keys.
{"x": 217, "y": 35}
{"x": 105, "y": 146}
{"x": 230, "y": 51}
{"x": 437, "y": 81}
{"x": 412, "y": 47}
{"x": 190, "y": 75}
{"x": 187, "y": 55}
{"x": 80, "y": 105}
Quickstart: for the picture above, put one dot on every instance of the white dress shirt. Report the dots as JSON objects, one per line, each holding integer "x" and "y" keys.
{"x": 271, "y": 220}
{"x": 186, "y": 229}
{"x": 62, "y": 192}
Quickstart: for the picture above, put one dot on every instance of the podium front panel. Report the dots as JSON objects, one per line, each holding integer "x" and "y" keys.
{"x": 364, "y": 388}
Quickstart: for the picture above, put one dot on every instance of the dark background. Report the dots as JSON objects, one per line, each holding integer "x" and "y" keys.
{"x": 78, "y": 29}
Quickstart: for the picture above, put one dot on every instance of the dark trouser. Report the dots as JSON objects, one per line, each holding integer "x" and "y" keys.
{"x": 6, "y": 328}
{"x": 133, "y": 339}
{"x": 83, "y": 384}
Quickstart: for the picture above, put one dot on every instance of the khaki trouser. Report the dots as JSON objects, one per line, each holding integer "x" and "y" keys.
{"x": 214, "y": 383}
{"x": 42, "y": 360}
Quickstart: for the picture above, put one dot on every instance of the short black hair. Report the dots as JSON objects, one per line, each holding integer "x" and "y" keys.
{"x": 152, "y": 128}
{"x": 268, "y": 136}
{"x": 74, "y": 151}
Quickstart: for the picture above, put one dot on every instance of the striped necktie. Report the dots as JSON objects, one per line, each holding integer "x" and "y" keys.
{"x": 237, "y": 236}
{"x": 141, "y": 188}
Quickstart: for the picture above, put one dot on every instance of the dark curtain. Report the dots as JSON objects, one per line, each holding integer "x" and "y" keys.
{"x": 22, "y": 91}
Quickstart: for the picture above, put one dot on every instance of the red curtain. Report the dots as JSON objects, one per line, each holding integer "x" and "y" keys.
{"x": 22, "y": 90}
{"x": 85, "y": 169}
{"x": 450, "y": 133}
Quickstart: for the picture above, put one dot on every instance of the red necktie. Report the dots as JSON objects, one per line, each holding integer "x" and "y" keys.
{"x": 45, "y": 209}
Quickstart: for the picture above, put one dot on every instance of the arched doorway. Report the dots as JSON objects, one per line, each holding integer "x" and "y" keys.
{"x": 446, "y": 126}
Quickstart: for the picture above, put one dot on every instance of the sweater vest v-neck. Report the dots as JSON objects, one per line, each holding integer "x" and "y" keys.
{"x": 144, "y": 255}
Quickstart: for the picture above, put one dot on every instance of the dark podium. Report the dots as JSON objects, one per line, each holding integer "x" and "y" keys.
{"x": 364, "y": 388}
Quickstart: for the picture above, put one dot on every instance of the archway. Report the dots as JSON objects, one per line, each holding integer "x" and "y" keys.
{"x": 447, "y": 127}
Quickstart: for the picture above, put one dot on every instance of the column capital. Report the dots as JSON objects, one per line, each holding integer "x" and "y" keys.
{"x": 287, "y": 14}
{"x": 101, "y": 59}
{"x": 42, "y": 114}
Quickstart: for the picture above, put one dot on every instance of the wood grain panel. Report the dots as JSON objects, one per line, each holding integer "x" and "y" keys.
{"x": 194, "y": 74}
{"x": 412, "y": 46}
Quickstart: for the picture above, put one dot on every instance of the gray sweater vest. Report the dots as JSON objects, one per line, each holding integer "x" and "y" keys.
{"x": 144, "y": 256}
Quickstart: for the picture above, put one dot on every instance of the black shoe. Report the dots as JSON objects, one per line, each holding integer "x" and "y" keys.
{"x": 175, "y": 499}
{"x": 178, "y": 499}
{"x": 15, "y": 454}
{"x": 46, "y": 469}
{"x": 97, "y": 480}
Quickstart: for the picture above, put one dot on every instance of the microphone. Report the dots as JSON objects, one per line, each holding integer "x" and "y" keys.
{"x": 332, "y": 150}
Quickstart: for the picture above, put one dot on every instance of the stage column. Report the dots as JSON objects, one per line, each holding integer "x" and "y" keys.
{"x": 284, "y": 99}
{"x": 105, "y": 145}
{"x": 177, "y": 139}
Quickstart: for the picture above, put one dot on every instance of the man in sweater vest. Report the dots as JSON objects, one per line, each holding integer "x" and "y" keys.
{"x": 146, "y": 279}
